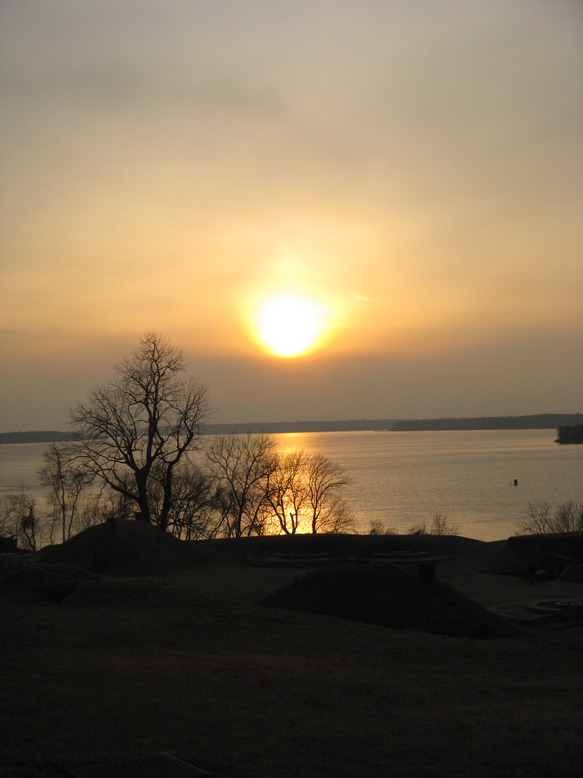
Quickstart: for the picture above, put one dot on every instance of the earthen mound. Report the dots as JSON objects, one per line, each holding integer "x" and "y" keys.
{"x": 128, "y": 548}
{"x": 386, "y": 595}
{"x": 23, "y": 580}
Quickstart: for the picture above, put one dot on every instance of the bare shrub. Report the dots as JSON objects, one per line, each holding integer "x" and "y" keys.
{"x": 568, "y": 517}
{"x": 440, "y": 525}
{"x": 378, "y": 528}
{"x": 540, "y": 519}
{"x": 536, "y": 519}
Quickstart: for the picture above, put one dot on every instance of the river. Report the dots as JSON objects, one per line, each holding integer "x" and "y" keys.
{"x": 481, "y": 480}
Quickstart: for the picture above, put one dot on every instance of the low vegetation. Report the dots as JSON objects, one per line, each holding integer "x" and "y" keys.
{"x": 540, "y": 518}
{"x": 439, "y": 525}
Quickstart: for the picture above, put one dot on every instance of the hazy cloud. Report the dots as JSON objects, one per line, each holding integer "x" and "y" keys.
{"x": 416, "y": 167}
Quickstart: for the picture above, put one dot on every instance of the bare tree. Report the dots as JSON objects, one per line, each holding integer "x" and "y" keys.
{"x": 286, "y": 491}
{"x": 536, "y": 519}
{"x": 29, "y": 527}
{"x": 440, "y": 525}
{"x": 19, "y": 520}
{"x": 325, "y": 480}
{"x": 241, "y": 465}
{"x": 140, "y": 425}
{"x": 8, "y": 527}
{"x": 259, "y": 491}
{"x": 377, "y": 527}
{"x": 539, "y": 518}
{"x": 105, "y": 505}
{"x": 65, "y": 484}
{"x": 568, "y": 517}
{"x": 305, "y": 494}
{"x": 192, "y": 515}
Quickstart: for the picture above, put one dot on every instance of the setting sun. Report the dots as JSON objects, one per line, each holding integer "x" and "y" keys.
{"x": 289, "y": 325}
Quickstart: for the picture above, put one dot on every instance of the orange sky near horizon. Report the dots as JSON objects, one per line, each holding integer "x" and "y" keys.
{"x": 415, "y": 170}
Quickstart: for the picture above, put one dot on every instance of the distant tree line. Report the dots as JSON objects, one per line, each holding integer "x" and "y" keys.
{"x": 138, "y": 451}
{"x": 34, "y": 436}
{"x": 536, "y": 421}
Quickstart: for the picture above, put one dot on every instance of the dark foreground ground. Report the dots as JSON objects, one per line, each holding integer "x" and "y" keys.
{"x": 171, "y": 650}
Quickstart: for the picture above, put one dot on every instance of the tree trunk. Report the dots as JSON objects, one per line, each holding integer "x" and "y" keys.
{"x": 144, "y": 512}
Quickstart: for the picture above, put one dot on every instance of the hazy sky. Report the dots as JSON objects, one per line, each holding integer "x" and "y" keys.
{"x": 412, "y": 167}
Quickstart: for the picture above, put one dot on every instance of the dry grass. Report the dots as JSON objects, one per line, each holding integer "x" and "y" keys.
{"x": 96, "y": 668}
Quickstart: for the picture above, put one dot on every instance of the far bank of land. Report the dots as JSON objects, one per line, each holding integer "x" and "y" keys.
{"x": 536, "y": 421}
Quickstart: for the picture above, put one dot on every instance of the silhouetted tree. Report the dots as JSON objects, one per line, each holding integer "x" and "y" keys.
{"x": 325, "y": 481}
{"x": 305, "y": 494}
{"x": 241, "y": 466}
{"x": 568, "y": 517}
{"x": 377, "y": 527}
{"x": 536, "y": 519}
{"x": 134, "y": 431}
{"x": 192, "y": 514}
{"x": 286, "y": 490}
{"x": 540, "y": 519}
{"x": 440, "y": 525}
{"x": 261, "y": 491}
{"x": 65, "y": 484}
{"x": 18, "y": 519}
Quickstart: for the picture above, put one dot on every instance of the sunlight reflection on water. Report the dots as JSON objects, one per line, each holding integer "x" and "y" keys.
{"x": 402, "y": 479}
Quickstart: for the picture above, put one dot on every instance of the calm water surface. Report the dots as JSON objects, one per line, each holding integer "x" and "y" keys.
{"x": 403, "y": 479}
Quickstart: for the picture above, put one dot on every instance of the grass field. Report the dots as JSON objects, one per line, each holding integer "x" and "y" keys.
{"x": 104, "y": 667}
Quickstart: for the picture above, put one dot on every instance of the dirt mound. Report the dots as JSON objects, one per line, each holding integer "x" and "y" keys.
{"x": 128, "y": 548}
{"x": 23, "y": 580}
{"x": 383, "y": 594}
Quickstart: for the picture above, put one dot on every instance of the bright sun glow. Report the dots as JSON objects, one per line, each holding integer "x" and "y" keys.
{"x": 290, "y": 325}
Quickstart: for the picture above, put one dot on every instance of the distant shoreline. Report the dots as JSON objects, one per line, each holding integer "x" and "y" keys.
{"x": 536, "y": 421}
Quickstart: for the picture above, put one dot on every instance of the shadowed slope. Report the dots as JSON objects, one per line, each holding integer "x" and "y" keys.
{"x": 383, "y": 594}
{"x": 128, "y": 548}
